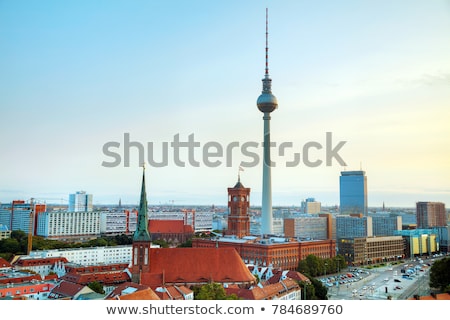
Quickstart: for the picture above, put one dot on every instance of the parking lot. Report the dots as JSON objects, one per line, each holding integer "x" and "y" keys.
{"x": 397, "y": 282}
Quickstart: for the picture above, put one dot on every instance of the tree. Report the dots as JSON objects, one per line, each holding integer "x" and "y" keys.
{"x": 313, "y": 289}
{"x": 96, "y": 287}
{"x": 161, "y": 243}
{"x": 186, "y": 244}
{"x": 314, "y": 265}
{"x": 10, "y": 245}
{"x": 308, "y": 290}
{"x": 213, "y": 291}
{"x": 440, "y": 275}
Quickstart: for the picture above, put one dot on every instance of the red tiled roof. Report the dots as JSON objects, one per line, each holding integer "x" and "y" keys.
{"x": 142, "y": 292}
{"x": 172, "y": 292}
{"x": 29, "y": 262}
{"x": 4, "y": 263}
{"x": 196, "y": 265}
{"x": 267, "y": 292}
{"x": 278, "y": 274}
{"x": 20, "y": 279}
{"x": 146, "y": 294}
{"x": 96, "y": 268}
{"x": 109, "y": 277}
{"x": 51, "y": 277}
{"x": 168, "y": 226}
{"x": 67, "y": 289}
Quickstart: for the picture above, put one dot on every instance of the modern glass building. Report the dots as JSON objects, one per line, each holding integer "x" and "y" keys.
{"x": 353, "y": 192}
{"x": 353, "y": 226}
{"x": 80, "y": 202}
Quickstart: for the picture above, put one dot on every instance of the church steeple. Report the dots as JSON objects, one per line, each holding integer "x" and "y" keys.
{"x": 141, "y": 233}
{"x": 141, "y": 239}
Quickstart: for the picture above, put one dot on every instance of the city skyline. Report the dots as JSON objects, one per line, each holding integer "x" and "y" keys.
{"x": 77, "y": 75}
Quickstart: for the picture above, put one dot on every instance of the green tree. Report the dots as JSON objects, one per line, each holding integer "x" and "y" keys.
{"x": 314, "y": 265}
{"x": 186, "y": 244}
{"x": 10, "y": 245}
{"x": 440, "y": 275}
{"x": 96, "y": 287}
{"x": 313, "y": 289}
{"x": 308, "y": 290}
{"x": 19, "y": 235}
{"x": 320, "y": 290}
{"x": 213, "y": 291}
{"x": 161, "y": 243}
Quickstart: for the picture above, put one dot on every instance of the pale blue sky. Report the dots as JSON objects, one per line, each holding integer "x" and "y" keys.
{"x": 75, "y": 75}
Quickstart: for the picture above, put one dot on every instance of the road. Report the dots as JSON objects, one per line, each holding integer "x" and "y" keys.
{"x": 383, "y": 282}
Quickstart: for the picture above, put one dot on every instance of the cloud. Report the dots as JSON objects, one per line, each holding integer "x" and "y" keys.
{"x": 438, "y": 79}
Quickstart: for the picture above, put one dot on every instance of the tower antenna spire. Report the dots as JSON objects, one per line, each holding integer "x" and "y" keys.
{"x": 267, "y": 42}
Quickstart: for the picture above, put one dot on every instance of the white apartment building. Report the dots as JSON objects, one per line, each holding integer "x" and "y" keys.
{"x": 66, "y": 224}
{"x": 118, "y": 222}
{"x": 89, "y": 256}
{"x": 200, "y": 221}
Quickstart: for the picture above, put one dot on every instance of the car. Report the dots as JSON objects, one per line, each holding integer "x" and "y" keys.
{"x": 397, "y": 280}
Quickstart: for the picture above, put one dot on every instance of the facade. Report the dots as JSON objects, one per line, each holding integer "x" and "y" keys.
{"x": 287, "y": 289}
{"x": 353, "y": 226}
{"x": 353, "y": 192}
{"x": 173, "y": 232}
{"x": 307, "y": 227}
{"x": 118, "y": 222}
{"x": 238, "y": 204}
{"x": 385, "y": 224}
{"x": 310, "y": 206}
{"x": 20, "y": 215}
{"x": 368, "y": 250}
{"x": 200, "y": 221}
{"x": 281, "y": 253}
{"x": 444, "y": 238}
{"x": 89, "y": 256}
{"x": 5, "y": 233}
{"x": 41, "y": 266}
{"x": 430, "y": 215}
{"x": 68, "y": 224}
{"x": 420, "y": 242}
{"x": 109, "y": 276}
{"x": 80, "y": 201}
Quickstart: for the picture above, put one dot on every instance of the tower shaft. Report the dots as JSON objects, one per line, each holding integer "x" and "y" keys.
{"x": 266, "y": 210}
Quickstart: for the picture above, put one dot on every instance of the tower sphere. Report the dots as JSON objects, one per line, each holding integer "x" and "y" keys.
{"x": 267, "y": 102}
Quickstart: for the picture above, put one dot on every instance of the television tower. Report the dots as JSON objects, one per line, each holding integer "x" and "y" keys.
{"x": 267, "y": 103}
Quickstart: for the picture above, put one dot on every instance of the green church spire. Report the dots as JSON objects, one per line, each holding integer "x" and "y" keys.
{"x": 141, "y": 233}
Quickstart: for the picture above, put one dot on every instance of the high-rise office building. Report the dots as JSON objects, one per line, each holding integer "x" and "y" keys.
{"x": 21, "y": 215}
{"x": 430, "y": 214}
{"x": 80, "y": 202}
{"x": 353, "y": 192}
